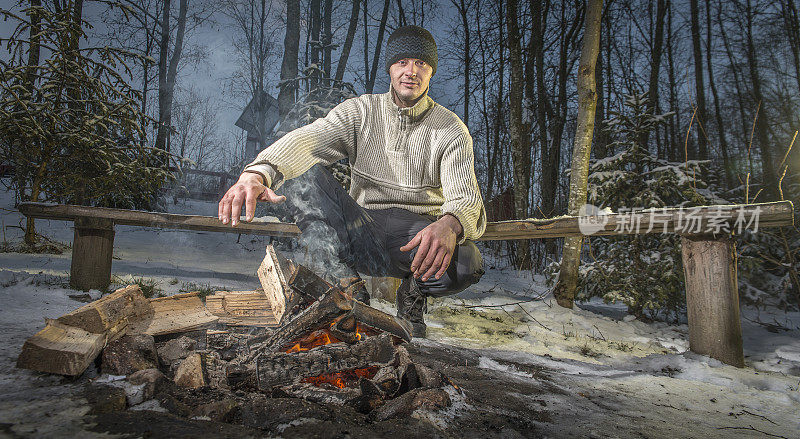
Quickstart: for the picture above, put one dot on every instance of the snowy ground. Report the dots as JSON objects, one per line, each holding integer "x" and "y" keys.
{"x": 611, "y": 376}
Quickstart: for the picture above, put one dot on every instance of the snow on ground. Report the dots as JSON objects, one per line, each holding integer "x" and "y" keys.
{"x": 642, "y": 372}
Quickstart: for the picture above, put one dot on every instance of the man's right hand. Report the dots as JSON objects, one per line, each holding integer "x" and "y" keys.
{"x": 247, "y": 191}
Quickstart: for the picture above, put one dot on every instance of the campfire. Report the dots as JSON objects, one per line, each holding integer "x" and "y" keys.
{"x": 300, "y": 336}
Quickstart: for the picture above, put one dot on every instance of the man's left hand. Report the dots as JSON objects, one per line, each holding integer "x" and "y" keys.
{"x": 436, "y": 245}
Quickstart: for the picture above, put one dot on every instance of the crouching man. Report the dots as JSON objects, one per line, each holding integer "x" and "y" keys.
{"x": 414, "y": 205}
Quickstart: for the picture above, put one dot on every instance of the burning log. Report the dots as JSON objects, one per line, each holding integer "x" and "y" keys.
{"x": 278, "y": 368}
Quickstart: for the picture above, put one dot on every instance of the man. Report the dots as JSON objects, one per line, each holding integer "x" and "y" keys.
{"x": 414, "y": 204}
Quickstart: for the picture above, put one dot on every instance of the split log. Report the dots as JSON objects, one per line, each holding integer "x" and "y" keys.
{"x": 109, "y": 311}
{"x": 242, "y": 308}
{"x": 274, "y": 274}
{"x": 308, "y": 284}
{"x": 321, "y": 314}
{"x": 178, "y": 313}
{"x": 278, "y": 368}
{"x": 61, "y": 349}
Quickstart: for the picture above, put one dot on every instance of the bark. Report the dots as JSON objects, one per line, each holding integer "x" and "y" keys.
{"x": 316, "y": 18}
{"x": 723, "y": 141}
{"x": 463, "y": 10}
{"x": 291, "y": 51}
{"x": 655, "y": 66}
{"x": 167, "y": 70}
{"x": 378, "y": 46}
{"x": 700, "y": 119}
{"x": 35, "y": 47}
{"x": 348, "y": 41}
{"x": 326, "y": 41}
{"x": 769, "y": 178}
{"x": 674, "y": 122}
{"x": 566, "y": 285}
{"x": 518, "y": 130}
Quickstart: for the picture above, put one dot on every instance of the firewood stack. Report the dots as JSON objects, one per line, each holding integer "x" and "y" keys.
{"x": 297, "y": 337}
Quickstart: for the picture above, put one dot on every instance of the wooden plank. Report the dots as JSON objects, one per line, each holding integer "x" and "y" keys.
{"x": 60, "y": 349}
{"x": 699, "y": 220}
{"x": 712, "y": 298}
{"x": 156, "y": 219}
{"x": 92, "y": 251}
{"x": 107, "y": 312}
{"x": 178, "y": 313}
{"x": 242, "y": 308}
{"x": 274, "y": 274}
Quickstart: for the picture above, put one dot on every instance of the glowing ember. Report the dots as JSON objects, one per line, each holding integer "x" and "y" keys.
{"x": 344, "y": 379}
{"x": 322, "y": 337}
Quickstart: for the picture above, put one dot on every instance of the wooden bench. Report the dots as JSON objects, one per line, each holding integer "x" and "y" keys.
{"x": 709, "y": 256}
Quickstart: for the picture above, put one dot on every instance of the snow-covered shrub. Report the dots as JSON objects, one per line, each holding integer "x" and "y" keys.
{"x": 642, "y": 271}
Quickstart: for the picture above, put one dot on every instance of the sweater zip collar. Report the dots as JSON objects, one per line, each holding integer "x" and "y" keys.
{"x": 412, "y": 114}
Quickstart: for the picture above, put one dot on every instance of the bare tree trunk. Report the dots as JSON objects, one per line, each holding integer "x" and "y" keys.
{"x": 769, "y": 177}
{"x": 518, "y": 130}
{"x": 401, "y": 14}
{"x": 674, "y": 122}
{"x": 316, "y": 25}
{"x": 167, "y": 70}
{"x": 291, "y": 49}
{"x": 567, "y": 283}
{"x": 655, "y": 66}
{"x": 35, "y": 47}
{"x": 792, "y": 23}
{"x": 326, "y": 41}
{"x": 702, "y": 142}
{"x": 378, "y": 46}
{"x": 723, "y": 141}
{"x": 348, "y": 41}
{"x": 463, "y": 10}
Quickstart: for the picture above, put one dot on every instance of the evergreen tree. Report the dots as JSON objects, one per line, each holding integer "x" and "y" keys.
{"x": 642, "y": 271}
{"x": 71, "y": 125}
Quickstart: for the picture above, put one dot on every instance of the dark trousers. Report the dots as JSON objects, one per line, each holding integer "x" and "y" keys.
{"x": 343, "y": 237}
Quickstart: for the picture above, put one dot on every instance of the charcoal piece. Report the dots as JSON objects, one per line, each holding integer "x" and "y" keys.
{"x": 105, "y": 399}
{"x": 278, "y": 368}
{"x": 129, "y": 354}
{"x": 427, "y": 376}
{"x": 321, "y": 395}
{"x": 426, "y": 399}
{"x": 409, "y": 380}
{"x": 371, "y": 397}
{"x": 215, "y": 369}
{"x": 229, "y": 344}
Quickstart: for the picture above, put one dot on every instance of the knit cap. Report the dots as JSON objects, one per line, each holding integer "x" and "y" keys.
{"x": 411, "y": 42}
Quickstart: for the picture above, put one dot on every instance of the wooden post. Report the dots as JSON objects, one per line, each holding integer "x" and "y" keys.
{"x": 92, "y": 249}
{"x": 712, "y": 298}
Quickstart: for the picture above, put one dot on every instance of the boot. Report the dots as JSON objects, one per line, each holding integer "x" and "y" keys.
{"x": 411, "y": 305}
{"x": 355, "y": 286}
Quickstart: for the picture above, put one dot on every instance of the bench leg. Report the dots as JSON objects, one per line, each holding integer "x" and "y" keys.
{"x": 712, "y": 298}
{"x": 92, "y": 249}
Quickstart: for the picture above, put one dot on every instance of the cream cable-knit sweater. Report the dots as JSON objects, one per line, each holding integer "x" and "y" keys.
{"x": 418, "y": 158}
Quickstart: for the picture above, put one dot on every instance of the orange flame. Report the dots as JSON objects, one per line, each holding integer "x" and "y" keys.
{"x": 322, "y": 337}
{"x": 344, "y": 379}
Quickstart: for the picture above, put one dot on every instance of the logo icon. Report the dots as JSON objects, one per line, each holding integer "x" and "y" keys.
{"x": 591, "y": 219}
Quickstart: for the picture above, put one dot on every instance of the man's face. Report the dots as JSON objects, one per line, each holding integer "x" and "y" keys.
{"x": 410, "y": 78}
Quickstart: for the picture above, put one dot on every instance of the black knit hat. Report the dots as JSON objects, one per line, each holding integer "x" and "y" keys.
{"x": 411, "y": 42}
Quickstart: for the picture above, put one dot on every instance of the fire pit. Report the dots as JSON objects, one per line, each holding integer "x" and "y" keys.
{"x": 299, "y": 337}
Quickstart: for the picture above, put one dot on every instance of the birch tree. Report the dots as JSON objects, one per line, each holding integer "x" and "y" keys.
{"x": 566, "y": 285}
